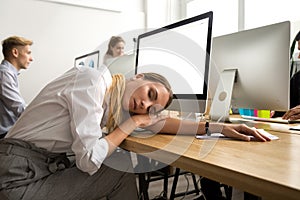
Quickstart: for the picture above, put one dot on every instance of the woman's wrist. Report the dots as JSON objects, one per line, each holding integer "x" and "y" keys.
{"x": 215, "y": 127}
{"x": 136, "y": 120}
{"x": 129, "y": 125}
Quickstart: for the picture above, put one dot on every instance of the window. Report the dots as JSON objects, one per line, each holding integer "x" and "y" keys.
{"x": 225, "y": 14}
{"x": 233, "y": 15}
{"x": 260, "y": 13}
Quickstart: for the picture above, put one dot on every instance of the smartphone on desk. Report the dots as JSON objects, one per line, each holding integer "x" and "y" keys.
{"x": 297, "y": 121}
{"x": 295, "y": 128}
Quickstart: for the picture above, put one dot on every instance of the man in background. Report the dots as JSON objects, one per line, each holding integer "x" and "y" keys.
{"x": 17, "y": 55}
{"x": 295, "y": 79}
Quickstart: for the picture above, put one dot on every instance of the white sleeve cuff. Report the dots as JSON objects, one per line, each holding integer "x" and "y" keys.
{"x": 99, "y": 154}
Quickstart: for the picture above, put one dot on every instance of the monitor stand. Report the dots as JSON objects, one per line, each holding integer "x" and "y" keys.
{"x": 221, "y": 102}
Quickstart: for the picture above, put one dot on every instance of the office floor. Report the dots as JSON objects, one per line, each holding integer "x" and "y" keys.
{"x": 185, "y": 182}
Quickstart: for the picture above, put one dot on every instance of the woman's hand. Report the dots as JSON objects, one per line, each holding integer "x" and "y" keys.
{"x": 292, "y": 114}
{"x": 242, "y": 132}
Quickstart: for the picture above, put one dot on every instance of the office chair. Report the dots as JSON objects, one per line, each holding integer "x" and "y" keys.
{"x": 154, "y": 171}
{"x": 179, "y": 172}
{"x": 164, "y": 172}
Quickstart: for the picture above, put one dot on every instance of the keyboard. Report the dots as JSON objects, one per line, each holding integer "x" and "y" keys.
{"x": 273, "y": 120}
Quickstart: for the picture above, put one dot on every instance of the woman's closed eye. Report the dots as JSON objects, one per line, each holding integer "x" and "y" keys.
{"x": 152, "y": 94}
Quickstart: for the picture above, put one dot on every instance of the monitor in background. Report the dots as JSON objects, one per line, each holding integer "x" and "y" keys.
{"x": 123, "y": 65}
{"x": 250, "y": 69}
{"x": 180, "y": 52}
{"x": 89, "y": 60}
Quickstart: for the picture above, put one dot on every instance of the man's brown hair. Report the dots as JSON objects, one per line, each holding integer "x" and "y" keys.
{"x": 12, "y": 42}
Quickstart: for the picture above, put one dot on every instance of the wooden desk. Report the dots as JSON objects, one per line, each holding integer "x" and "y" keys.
{"x": 269, "y": 169}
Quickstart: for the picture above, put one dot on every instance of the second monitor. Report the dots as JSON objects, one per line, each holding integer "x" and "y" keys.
{"x": 250, "y": 69}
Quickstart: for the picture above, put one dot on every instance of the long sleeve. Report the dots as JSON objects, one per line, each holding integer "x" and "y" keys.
{"x": 10, "y": 94}
{"x": 12, "y": 104}
{"x": 85, "y": 101}
{"x": 67, "y": 115}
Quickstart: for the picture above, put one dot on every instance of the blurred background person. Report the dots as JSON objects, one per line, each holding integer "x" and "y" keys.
{"x": 115, "y": 49}
{"x": 17, "y": 55}
{"x": 293, "y": 113}
{"x": 295, "y": 74}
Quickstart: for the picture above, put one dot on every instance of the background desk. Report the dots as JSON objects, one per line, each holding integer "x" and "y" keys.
{"x": 269, "y": 169}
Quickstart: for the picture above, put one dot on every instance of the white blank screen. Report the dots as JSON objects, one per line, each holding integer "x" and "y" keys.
{"x": 179, "y": 54}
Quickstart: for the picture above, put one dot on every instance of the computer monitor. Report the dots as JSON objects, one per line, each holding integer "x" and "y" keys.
{"x": 89, "y": 60}
{"x": 180, "y": 52}
{"x": 250, "y": 69}
{"x": 123, "y": 65}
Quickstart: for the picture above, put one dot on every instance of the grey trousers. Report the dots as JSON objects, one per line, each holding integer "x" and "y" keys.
{"x": 25, "y": 174}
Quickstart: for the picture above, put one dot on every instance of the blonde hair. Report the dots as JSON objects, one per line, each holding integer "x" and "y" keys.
{"x": 116, "y": 93}
{"x": 12, "y": 42}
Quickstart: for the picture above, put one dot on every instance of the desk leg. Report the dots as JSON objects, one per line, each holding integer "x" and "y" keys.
{"x": 143, "y": 186}
{"x": 175, "y": 181}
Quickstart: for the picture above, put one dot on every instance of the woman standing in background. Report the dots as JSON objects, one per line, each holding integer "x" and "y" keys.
{"x": 115, "y": 49}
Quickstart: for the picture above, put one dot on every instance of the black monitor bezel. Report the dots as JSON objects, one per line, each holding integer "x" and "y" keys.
{"x": 97, "y": 52}
{"x": 208, "y": 15}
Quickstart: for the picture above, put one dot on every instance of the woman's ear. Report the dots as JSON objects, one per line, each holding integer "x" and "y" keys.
{"x": 138, "y": 76}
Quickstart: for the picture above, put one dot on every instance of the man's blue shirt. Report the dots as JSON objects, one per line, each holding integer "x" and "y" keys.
{"x": 11, "y": 103}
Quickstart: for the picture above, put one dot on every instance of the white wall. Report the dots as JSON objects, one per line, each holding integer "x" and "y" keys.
{"x": 60, "y": 33}
{"x": 295, "y": 28}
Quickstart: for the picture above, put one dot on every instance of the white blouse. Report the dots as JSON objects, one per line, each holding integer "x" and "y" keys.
{"x": 67, "y": 116}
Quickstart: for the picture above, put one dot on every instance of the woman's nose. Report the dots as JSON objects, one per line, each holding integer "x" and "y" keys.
{"x": 146, "y": 104}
